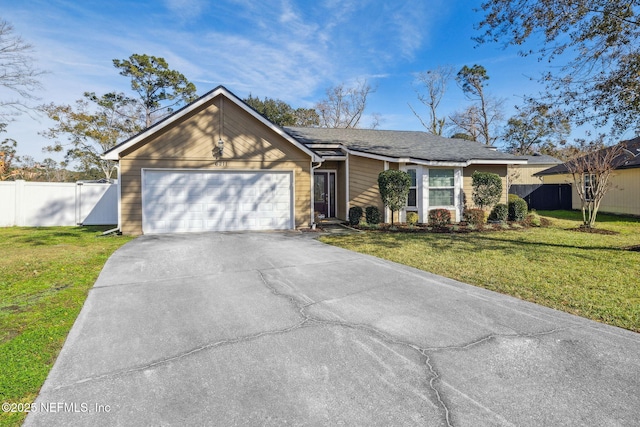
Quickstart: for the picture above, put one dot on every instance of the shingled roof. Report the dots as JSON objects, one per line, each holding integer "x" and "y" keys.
{"x": 630, "y": 159}
{"x": 414, "y": 145}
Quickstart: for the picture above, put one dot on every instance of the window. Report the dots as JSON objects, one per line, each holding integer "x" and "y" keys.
{"x": 441, "y": 187}
{"x": 412, "y": 199}
{"x": 590, "y": 183}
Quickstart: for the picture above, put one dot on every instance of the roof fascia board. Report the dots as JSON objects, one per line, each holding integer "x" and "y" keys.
{"x": 434, "y": 162}
{"x": 497, "y": 162}
{"x": 334, "y": 158}
{"x": 319, "y": 145}
{"x": 115, "y": 152}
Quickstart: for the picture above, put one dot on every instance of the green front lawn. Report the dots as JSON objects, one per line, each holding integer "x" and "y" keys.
{"x": 590, "y": 275}
{"x": 45, "y": 274}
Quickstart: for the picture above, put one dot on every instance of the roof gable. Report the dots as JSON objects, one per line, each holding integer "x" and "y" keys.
{"x": 131, "y": 143}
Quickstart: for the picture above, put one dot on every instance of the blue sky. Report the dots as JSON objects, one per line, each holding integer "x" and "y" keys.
{"x": 284, "y": 49}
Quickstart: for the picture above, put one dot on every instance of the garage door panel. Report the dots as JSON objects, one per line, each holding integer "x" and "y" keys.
{"x": 181, "y": 201}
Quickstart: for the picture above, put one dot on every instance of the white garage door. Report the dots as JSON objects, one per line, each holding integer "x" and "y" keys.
{"x": 189, "y": 201}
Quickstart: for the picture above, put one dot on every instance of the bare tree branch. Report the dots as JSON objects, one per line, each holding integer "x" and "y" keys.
{"x": 344, "y": 106}
{"x": 17, "y": 73}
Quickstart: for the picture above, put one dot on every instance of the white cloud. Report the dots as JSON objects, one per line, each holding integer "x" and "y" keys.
{"x": 186, "y": 9}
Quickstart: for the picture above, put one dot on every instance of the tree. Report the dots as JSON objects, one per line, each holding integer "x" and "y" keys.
{"x": 536, "y": 127}
{"x": 394, "y": 188}
{"x": 592, "y": 47}
{"x": 7, "y": 155}
{"x": 435, "y": 85}
{"x": 462, "y": 135}
{"x": 487, "y": 111}
{"x": 159, "y": 88}
{"x": 343, "y": 107}
{"x": 591, "y": 175}
{"x": 282, "y": 114}
{"x": 92, "y": 127}
{"x": 466, "y": 123}
{"x": 17, "y": 73}
{"x": 487, "y": 189}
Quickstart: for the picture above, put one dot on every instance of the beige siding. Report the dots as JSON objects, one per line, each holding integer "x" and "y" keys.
{"x": 249, "y": 145}
{"x": 363, "y": 182}
{"x": 622, "y": 198}
{"x": 467, "y": 187}
{"x": 523, "y": 174}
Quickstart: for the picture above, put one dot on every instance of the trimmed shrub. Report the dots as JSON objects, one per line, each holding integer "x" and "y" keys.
{"x": 474, "y": 216}
{"x": 412, "y": 218}
{"x": 394, "y": 188}
{"x": 355, "y": 215}
{"x": 500, "y": 212}
{"x": 372, "y": 214}
{"x": 487, "y": 189}
{"x": 439, "y": 217}
{"x": 518, "y": 208}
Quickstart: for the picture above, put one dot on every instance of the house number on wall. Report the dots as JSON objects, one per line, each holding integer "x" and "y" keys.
{"x": 220, "y": 164}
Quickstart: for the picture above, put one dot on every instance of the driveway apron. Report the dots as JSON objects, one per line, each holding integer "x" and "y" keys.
{"x": 279, "y": 329}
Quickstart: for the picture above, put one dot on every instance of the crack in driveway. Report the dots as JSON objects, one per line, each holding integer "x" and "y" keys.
{"x": 424, "y": 351}
{"x": 300, "y": 303}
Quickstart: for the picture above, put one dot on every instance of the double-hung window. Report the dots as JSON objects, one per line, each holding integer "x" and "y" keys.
{"x": 412, "y": 199}
{"x": 441, "y": 187}
{"x": 590, "y": 183}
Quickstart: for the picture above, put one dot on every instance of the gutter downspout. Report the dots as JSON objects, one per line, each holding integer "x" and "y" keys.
{"x": 386, "y": 209}
{"x": 347, "y": 183}
{"x": 313, "y": 203}
{"x": 118, "y": 228}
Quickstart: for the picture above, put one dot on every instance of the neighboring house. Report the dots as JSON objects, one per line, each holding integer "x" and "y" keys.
{"x": 524, "y": 183}
{"x": 218, "y": 165}
{"x": 524, "y": 174}
{"x": 624, "y": 195}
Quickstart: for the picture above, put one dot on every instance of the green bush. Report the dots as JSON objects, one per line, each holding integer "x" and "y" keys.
{"x": 487, "y": 189}
{"x": 474, "y": 216}
{"x": 439, "y": 217}
{"x": 412, "y": 218}
{"x": 394, "y": 186}
{"x": 372, "y": 214}
{"x": 500, "y": 212}
{"x": 518, "y": 208}
{"x": 355, "y": 215}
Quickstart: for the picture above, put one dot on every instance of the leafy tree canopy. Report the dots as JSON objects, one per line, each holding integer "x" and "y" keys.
{"x": 92, "y": 127}
{"x": 159, "y": 88}
{"x": 282, "y": 114}
{"x": 536, "y": 128}
{"x": 598, "y": 83}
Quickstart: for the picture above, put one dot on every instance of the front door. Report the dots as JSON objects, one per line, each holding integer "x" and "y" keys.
{"x": 324, "y": 194}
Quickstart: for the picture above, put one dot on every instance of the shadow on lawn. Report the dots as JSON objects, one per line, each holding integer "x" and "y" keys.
{"x": 468, "y": 245}
{"x": 45, "y": 236}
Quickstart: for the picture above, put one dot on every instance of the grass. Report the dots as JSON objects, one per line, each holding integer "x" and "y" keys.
{"x": 590, "y": 275}
{"x": 45, "y": 275}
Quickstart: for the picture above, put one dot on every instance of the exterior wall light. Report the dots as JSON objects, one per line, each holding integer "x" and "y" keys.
{"x": 219, "y": 150}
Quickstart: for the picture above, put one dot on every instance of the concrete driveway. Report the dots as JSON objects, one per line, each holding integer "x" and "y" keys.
{"x": 279, "y": 329}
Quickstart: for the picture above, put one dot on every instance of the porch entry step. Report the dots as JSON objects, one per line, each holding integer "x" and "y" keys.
{"x": 337, "y": 228}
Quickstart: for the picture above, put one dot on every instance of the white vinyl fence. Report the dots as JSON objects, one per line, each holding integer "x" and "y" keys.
{"x": 34, "y": 204}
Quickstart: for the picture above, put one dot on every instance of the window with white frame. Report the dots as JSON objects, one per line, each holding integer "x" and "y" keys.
{"x": 590, "y": 182}
{"x": 412, "y": 198}
{"x": 441, "y": 187}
